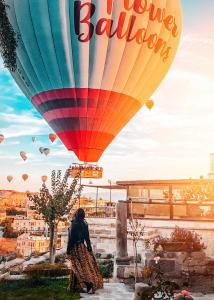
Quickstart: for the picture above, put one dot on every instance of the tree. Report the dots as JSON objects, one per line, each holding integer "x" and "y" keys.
{"x": 55, "y": 204}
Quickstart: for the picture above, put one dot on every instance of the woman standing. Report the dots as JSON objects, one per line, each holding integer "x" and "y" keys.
{"x": 84, "y": 269}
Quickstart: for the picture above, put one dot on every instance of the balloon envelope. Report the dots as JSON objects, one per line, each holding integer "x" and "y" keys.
{"x": 52, "y": 137}
{"x": 46, "y": 151}
{"x": 41, "y": 150}
{"x": 23, "y": 155}
{"x": 9, "y": 178}
{"x": 24, "y": 177}
{"x": 88, "y": 67}
{"x": 149, "y": 104}
{"x": 1, "y": 138}
{"x": 44, "y": 178}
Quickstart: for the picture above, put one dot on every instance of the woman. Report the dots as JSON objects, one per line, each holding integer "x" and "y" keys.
{"x": 84, "y": 269}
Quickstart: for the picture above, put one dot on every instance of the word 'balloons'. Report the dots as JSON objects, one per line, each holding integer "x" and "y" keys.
{"x": 46, "y": 151}
{"x": 150, "y": 104}
{"x": 41, "y": 150}
{"x": 1, "y": 138}
{"x": 23, "y": 155}
{"x": 89, "y": 66}
{"x": 44, "y": 178}
{"x": 9, "y": 178}
{"x": 24, "y": 177}
{"x": 52, "y": 137}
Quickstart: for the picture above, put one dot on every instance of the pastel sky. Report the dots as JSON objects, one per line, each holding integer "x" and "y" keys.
{"x": 173, "y": 140}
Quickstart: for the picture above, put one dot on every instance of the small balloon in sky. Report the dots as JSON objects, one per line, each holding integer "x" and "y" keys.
{"x": 150, "y": 104}
{"x": 41, "y": 150}
{"x": 46, "y": 151}
{"x": 33, "y": 139}
{"x": 9, "y": 178}
{"x": 1, "y": 138}
{"x": 23, "y": 155}
{"x": 24, "y": 177}
{"x": 44, "y": 178}
{"x": 52, "y": 137}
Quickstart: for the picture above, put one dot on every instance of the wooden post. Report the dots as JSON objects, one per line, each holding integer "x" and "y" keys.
{"x": 171, "y": 216}
{"x": 121, "y": 232}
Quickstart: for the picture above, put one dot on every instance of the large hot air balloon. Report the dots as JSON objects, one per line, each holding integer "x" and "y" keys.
{"x": 1, "y": 138}
{"x": 23, "y": 155}
{"x": 24, "y": 177}
{"x": 44, "y": 178}
{"x": 89, "y": 66}
{"x": 9, "y": 178}
{"x": 52, "y": 137}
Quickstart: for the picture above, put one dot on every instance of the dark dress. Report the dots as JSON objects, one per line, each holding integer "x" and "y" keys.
{"x": 84, "y": 269}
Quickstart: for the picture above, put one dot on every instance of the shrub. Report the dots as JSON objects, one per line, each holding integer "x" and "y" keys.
{"x": 46, "y": 270}
{"x": 106, "y": 268}
{"x": 60, "y": 258}
{"x": 192, "y": 240}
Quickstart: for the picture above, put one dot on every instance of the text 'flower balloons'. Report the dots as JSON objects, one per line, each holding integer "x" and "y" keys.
{"x": 1, "y": 138}
{"x": 52, "y": 137}
{"x": 44, "y": 178}
{"x": 89, "y": 66}
{"x": 9, "y": 178}
{"x": 25, "y": 177}
{"x": 23, "y": 155}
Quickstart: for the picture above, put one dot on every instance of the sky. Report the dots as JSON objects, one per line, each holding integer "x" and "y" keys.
{"x": 173, "y": 140}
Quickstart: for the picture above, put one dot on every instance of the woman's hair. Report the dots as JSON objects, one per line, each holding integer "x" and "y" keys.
{"x": 80, "y": 214}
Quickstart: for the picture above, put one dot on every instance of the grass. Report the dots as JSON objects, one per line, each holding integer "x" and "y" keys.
{"x": 36, "y": 290}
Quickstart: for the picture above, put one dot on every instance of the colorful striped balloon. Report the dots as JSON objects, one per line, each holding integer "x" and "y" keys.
{"x": 89, "y": 66}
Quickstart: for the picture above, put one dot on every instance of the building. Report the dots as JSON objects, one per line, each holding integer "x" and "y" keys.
{"x": 13, "y": 199}
{"x": 22, "y": 223}
{"x": 29, "y": 244}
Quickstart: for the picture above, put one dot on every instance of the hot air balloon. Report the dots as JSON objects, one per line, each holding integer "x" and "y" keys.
{"x": 88, "y": 67}
{"x": 23, "y": 155}
{"x": 46, "y": 151}
{"x": 41, "y": 150}
{"x": 1, "y": 138}
{"x": 149, "y": 104}
{"x": 33, "y": 139}
{"x": 44, "y": 178}
{"x": 52, "y": 137}
{"x": 24, "y": 177}
{"x": 9, "y": 178}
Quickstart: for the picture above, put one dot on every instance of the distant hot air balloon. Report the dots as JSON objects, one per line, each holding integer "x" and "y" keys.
{"x": 41, "y": 150}
{"x": 44, "y": 178}
{"x": 46, "y": 151}
{"x": 52, "y": 137}
{"x": 1, "y": 138}
{"x": 33, "y": 139}
{"x": 88, "y": 67}
{"x": 24, "y": 177}
{"x": 9, "y": 178}
{"x": 149, "y": 104}
{"x": 23, "y": 155}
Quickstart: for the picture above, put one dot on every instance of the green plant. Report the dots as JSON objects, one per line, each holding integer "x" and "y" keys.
{"x": 55, "y": 204}
{"x": 106, "y": 268}
{"x": 46, "y": 270}
{"x": 8, "y": 39}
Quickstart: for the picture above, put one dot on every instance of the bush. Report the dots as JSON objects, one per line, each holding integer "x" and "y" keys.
{"x": 60, "y": 258}
{"x": 46, "y": 270}
{"x": 192, "y": 240}
{"x": 106, "y": 268}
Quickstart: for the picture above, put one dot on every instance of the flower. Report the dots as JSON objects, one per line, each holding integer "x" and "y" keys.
{"x": 185, "y": 293}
